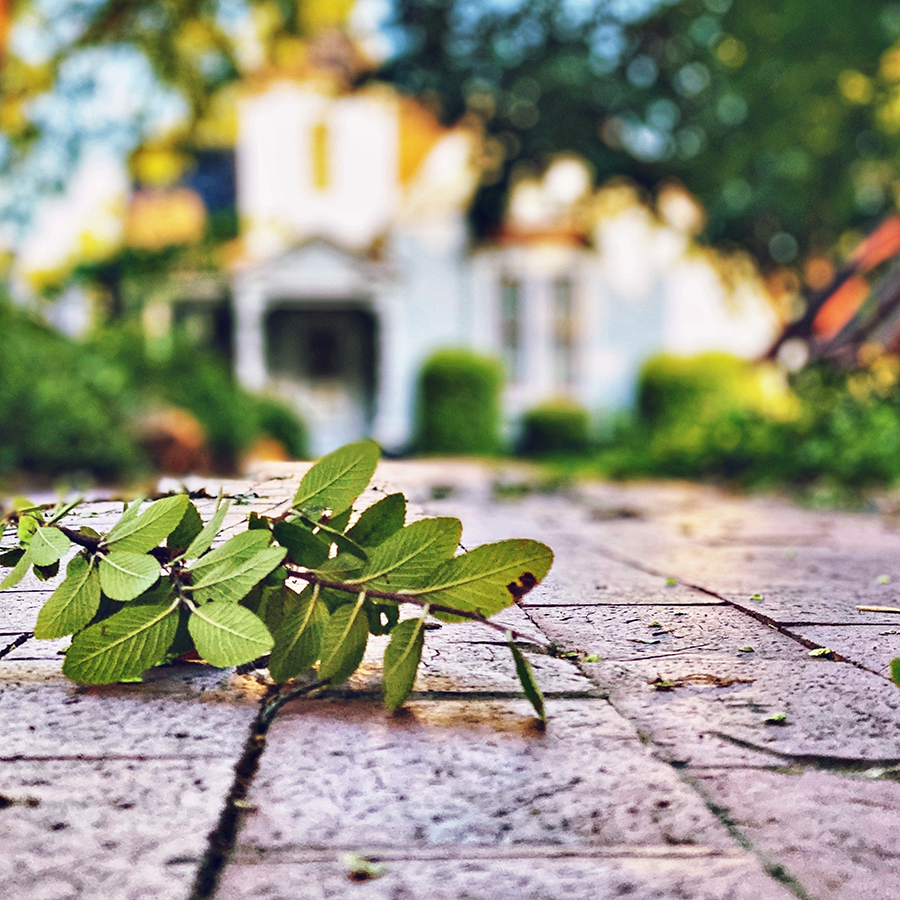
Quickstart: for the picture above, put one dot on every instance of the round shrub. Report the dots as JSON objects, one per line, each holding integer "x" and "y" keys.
{"x": 458, "y": 404}
{"x": 559, "y": 426}
{"x": 684, "y": 389}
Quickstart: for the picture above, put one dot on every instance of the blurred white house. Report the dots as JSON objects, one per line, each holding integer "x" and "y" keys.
{"x": 354, "y": 263}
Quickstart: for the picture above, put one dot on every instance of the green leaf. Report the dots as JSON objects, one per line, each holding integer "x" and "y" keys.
{"x": 490, "y": 577}
{"x": 45, "y": 573}
{"x": 200, "y": 544}
{"x": 407, "y": 559}
{"x": 526, "y": 677}
{"x": 232, "y": 579}
{"x": 343, "y": 643}
{"x": 28, "y": 525}
{"x": 895, "y": 671}
{"x": 73, "y": 604}
{"x": 298, "y": 641}
{"x": 337, "y": 479}
{"x": 226, "y": 634}
{"x": 63, "y": 509}
{"x": 339, "y": 522}
{"x": 124, "y": 645}
{"x": 238, "y": 549}
{"x": 125, "y": 575}
{"x": 401, "y": 661}
{"x": 379, "y": 521}
{"x": 19, "y": 571}
{"x": 335, "y": 536}
{"x": 9, "y": 558}
{"x": 383, "y": 617}
{"x": 186, "y": 530}
{"x": 303, "y": 547}
{"x": 142, "y": 533}
{"x": 48, "y": 545}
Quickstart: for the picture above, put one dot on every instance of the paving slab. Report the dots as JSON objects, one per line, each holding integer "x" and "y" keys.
{"x": 838, "y": 835}
{"x": 536, "y": 877}
{"x": 681, "y": 793}
{"x": 466, "y": 772}
{"x": 872, "y": 646}
{"x": 116, "y": 828}
{"x": 663, "y": 631}
{"x": 831, "y": 709}
{"x": 825, "y": 604}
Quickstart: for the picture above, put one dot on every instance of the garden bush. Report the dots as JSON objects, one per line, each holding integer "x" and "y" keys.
{"x": 61, "y": 406}
{"x": 712, "y": 417}
{"x": 458, "y": 404}
{"x": 556, "y": 427}
{"x": 68, "y": 406}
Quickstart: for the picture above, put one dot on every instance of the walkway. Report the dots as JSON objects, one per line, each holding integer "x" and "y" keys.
{"x": 704, "y": 754}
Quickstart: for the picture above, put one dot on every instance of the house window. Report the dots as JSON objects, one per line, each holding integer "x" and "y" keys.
{"x": 563, "y": 332}
{"x": 321, "y": 171}
{"x": 511, "y": 327}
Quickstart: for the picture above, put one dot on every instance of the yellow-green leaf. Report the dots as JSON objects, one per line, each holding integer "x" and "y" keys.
{"x": 124, "y": 645}
{"x": 125, "y": 575}
{"x": 490, "y": 577}
{"x": 226, "y": 634}
{"x": 73, "y": 604}
{"x": 140, "y": 534}
{"x": 344, "y": 642}
{"x": 337, "y": 479}
{"x": 48, "y": 545}
{"x": 401, "y": 661}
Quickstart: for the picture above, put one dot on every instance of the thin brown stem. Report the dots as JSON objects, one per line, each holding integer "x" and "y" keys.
{"x": 399, "y": 597}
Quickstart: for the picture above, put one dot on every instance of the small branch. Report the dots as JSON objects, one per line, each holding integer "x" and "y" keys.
{"x": 286, "y": 693}
{"x": 887, "y": 609}
{"x": 398, "y": 597}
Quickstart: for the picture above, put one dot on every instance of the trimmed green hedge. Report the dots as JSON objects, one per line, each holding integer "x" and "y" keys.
{"x": 458, "y": 404}
{"x": 556, "y": 427}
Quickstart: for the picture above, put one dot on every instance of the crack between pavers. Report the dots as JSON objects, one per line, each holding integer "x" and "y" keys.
{"x": 823, "y": 762}
{"x": 775, "y": 625}
{"x": 221, "y": 840}
{"x": 771, "y": 867}
{"x": 255, "y": 855}
{"x": 21, "y": 639}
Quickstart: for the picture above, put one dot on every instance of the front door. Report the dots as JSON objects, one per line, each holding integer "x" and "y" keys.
{"x": 323, "y": 359}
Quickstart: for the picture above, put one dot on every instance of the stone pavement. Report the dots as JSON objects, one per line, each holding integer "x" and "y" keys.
{"x": 658, "y": 775}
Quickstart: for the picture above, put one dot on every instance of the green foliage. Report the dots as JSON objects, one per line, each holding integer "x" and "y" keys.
{"x": 678, "y": 389}
{"x": 68, "y": 406}
{"x": 558, "y": 427}
{"x": 775, "y": 113}
{"x": 159, "y": 584}
{"x": 60, "y": 405}
{"x": 458, "y": 404}
{"x": 710, "y": 418}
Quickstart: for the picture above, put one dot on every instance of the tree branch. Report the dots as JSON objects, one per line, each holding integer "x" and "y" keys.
{"x": 399, "y": 597}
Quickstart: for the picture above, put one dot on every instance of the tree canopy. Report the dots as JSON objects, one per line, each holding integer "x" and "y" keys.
{"x": 781, "y": 116}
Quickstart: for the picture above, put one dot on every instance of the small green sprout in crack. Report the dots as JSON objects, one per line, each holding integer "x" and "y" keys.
{"x": 822, "y": 653}
{"x": 779, "y": 718}
{"x": 884, "y": 579}
{"x": 747, "y": 649}
{"x": 895, "y": 671}
{"x": 671, "y": 582}
{"x": 593, "y": 658}
{"x": 655, "y": 624}
{"x": 756, "y": 597}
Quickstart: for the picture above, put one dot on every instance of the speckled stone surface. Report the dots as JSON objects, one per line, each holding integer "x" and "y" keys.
{"x": 658, "y": 775}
